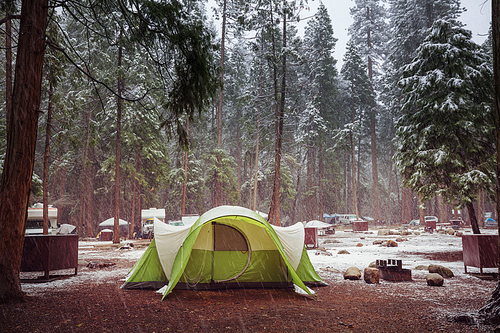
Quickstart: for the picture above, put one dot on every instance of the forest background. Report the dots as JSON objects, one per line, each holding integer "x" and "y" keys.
{"x": 339, "y": 127}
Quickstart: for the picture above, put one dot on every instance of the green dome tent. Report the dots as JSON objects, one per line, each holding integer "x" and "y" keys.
{"x": 227, "y": 247}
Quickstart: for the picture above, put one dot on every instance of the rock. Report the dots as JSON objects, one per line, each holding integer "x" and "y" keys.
{"x": 417, "y": 233}
{"x": 331, "y": 241}
{"x": 406, "y": 233}
{"x": 371, "y": 275}
{"x": 459, "y": 234}
{"x": 343, "y": 252}
{"x": 450, "y": 232}
{"x": 373, "y": 264}
{"x": 391, "y": 243}
{"x": 359, "y": 245}
{"x": 330, "y": 269}
{"x": 434, "y": 279}
{"x": 422, "y": 268}
{"x": 321, "y": 248}
{"x": 401, "y": 239}
{"x": 377, "y": 242}
{"x": 384, "y": 232}
{"x": 352, "y": 273}
{"x": 441, "y": 270}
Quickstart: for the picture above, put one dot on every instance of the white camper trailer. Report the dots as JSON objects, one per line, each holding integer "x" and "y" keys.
{"x": 147, "y": 216}
{"x": 34, "y": 225}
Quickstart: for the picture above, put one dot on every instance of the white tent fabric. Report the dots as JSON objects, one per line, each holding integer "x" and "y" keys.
{"x": 292, "y": 238}
{"x": 169, "y": 239}
{"x": 317, "y": 224}
{"x": 65, "y": 229}
{"x": 111, "y": 222}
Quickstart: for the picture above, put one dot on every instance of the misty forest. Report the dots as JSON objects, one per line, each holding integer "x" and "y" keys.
{"x": 145, "y": 105}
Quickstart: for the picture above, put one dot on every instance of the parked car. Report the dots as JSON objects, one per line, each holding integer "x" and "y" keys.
{"x": 415, "y": 222}
{"x": 347, "y": 219}
{"x": 431, "y": 218}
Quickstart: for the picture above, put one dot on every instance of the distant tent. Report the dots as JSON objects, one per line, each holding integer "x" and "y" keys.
{"x": 227, "y": 247}
{"x": 110, "y": 223}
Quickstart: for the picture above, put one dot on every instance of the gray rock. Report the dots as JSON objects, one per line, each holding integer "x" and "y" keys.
{"x": 434, "y": 279}
{"x": 377, "y": 242}
{"x": 352, "y": 273}
{"x": 384, "y": 232}
{"x": 371, "y": 275}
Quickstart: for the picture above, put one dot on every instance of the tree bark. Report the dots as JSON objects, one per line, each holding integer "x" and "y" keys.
{"x": 274, "y": 210}
{"x": 8, "y": 69}
{"x": 184, "y": 183}
{"x": 21, "y": 141}
{"x": 473, "y": 218}
{"x": 406, "y": 215}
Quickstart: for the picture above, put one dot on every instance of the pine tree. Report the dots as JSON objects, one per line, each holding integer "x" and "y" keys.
{"x": 445, "y": 134}
{"x": 361, "y": 100}
{"x": 369, "y": 32}
{"x": 320, "y": 94}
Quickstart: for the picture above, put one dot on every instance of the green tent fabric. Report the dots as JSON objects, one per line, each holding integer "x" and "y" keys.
{"x": 227, "y": 247}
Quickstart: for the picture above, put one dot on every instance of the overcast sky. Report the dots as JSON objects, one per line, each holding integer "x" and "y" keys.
{"x": 477, "y": 19}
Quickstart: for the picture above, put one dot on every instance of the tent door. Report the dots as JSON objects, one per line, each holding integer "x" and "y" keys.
{"x": 231, "y": 255}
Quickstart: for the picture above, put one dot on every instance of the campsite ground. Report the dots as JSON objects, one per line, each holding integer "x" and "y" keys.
{"x": 92, "y": 301}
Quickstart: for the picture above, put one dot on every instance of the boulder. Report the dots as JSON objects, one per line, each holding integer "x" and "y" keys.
{"x": 459, "y": 234}
{"x": 441, "y": 270}
{"x": 343, "y": 252}
{"x": 377, "y": 242}
{"x": 352, "y": 273}
{"x": 450, "y": 231}
{"x": 406, "y": 233}
{"x": 359, "y": 245}
{"x": 434, "y": 279}
{"x": 373, "y": 264}
{"x": 422, "y": 268}
{"x": 401, "y": 239}
{"x": 371, "y": 275}
{"x": 391, "y": 243}
{"x": 384, "y": 232}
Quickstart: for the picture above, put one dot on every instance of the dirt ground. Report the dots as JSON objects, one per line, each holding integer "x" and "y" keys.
{"x": 343, "y": 306}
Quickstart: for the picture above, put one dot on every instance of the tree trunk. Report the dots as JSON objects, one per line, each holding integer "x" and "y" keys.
{"x": 406, "y": 207}
{"x": 116, "y": 229}
{"x": 8, "y": 69}
{"x": 257, "y": 141}
{"x": 46, "y": 164}
{"x": 184, "y": 183}
{"x": 353, "y": 178}
{"x": 21, "y": 141}
{"x": 134, "y": 190}
{"x": 274, "y": 210}
{"x": 310, "y": 202}
{"x": 320, "y": 181}
{"x": 473, "y": 218}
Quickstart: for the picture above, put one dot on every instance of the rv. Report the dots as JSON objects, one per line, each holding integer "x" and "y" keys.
{"x": 147, "y": 217}
{"x": 34, "y": 225}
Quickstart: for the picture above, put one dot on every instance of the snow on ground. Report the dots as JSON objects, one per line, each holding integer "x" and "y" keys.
{"x": 333, "y": 267}
{"x": 330, "y": 267}
{"x": 362, "y": 256}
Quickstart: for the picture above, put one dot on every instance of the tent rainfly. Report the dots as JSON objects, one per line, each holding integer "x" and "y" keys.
{"x": 227, "y": 247}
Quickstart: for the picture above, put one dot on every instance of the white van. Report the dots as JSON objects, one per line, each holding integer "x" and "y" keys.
{"x": 346, "y": 219}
